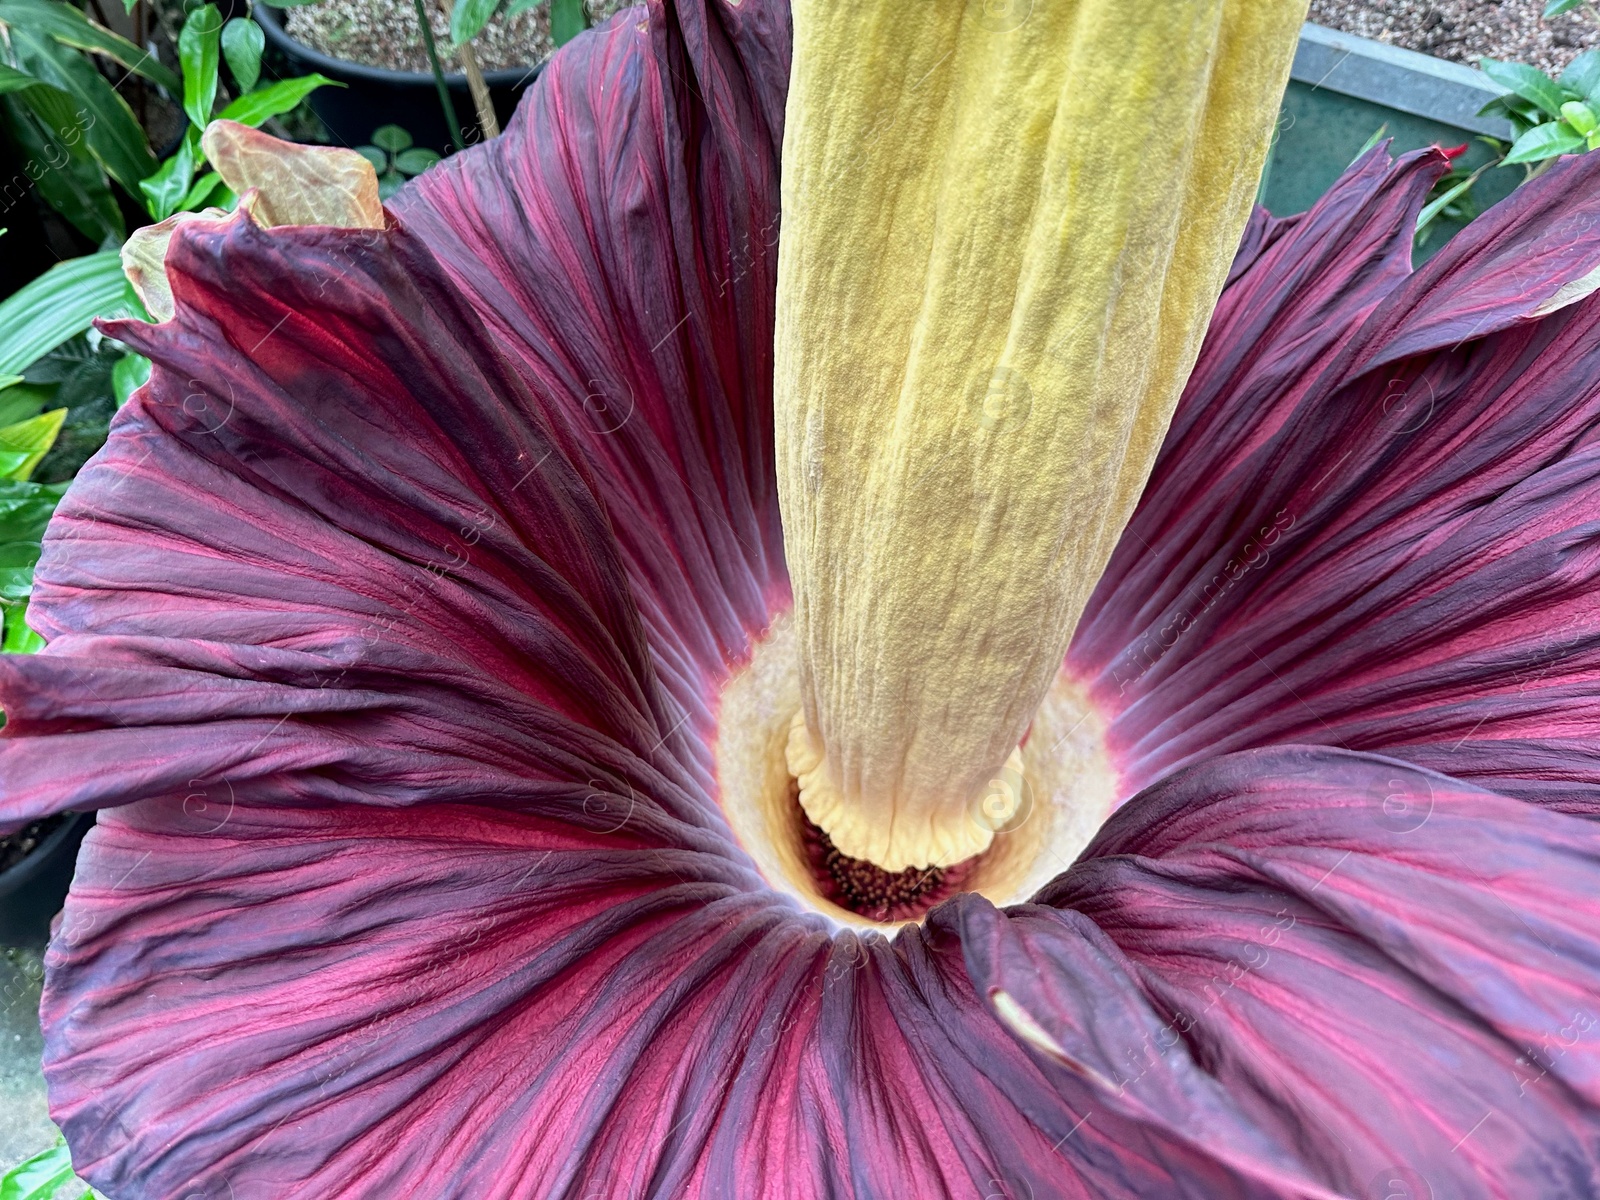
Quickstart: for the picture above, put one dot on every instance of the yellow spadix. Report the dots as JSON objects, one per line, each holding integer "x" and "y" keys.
{"x": 1004, "y": 229}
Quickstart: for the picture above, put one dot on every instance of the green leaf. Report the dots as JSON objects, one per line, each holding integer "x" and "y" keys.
{"x": 198, "y": 47}
{"x": 7, "y": 380}
{"x": 389, "y": 183}
{"x": 25, "y": 511}
{"x": 274, "y": 100}
{"x": 49, "y": 133}
{"x": 242, "y": 43}
{"x": 38, "y": 1178}
{"x": 71, "y": 28}
{"x": 197, "y": 196}
{"x": 59, "y": 305}
{"x": 1556, "y": 7}
{"x": 1527, "y": 82}
{"x": 1583, "y": 73}
{"x": 517, "y": 7}
{"x": 378, "y": 158}
{"x": 468, "y": 18}
{"x": 86, "y": 389}
{"x": 415, "y": 160}
{"x": 130, "y": 374}
{"x": 391, "y": 138}
{"x": 1435, "y": 207}
{"x": 1580, "y": 116}
{"x": 22, "y": 400}
{"x": 568, "y": 18}
{"x": 13, "y": 80}
{"x": 164, "y": 191}
{"x": 1541, "y": 142}
{"x": 22, "y": 445}
{"x": 19, "y": 639}
{"x": 113, "y": 136}
{"x": 1377, "y": 136}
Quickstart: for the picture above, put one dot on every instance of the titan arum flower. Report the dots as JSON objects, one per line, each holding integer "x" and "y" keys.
{"x": 595, "y": 690}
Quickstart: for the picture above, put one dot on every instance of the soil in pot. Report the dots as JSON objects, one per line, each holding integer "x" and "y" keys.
{"x": 383, "y": 33}
{"x": 15, "y": 847}
{"x": 36, "y": 866}
{"x": 1465, "y": 30}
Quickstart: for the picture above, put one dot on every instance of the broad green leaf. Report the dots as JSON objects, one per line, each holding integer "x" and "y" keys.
{"x": 39, "y": 1177}
{"x": 19, "y": 639}
{"x": 1541, "y": 142}
{"x": 70, "y": 27}
{"x": 25, "y": 509}
{"x": 242, "y": 43}
{"x": 23, "y": 517}
{"x": 1527, "y": 82}
{"x": 130, "y": 374}
{"x": 23, "y": 400}
{"x": 1583, "y": 73}
{"x": 164, "y": 191}
{"x": 60, "y": 165}
{"x": 517, "y": 7}
{"x": 1513, "y": 106}
{"x": 199, "y": 46}
{"x": 1556, "y": 7}
{"x": 274, "y": 100}
{"x": 7, "y": 380}
{"x": 1580, "y": 116}
{"x": 415, "y": 160}
{"x": 468, "y": 18}
{"x": 200, "y": 194}
{"x": 22, "y": 445}
{"x": 389, "y": 183}
{"x": 378, "y": 158}
{"x": 391, "y": 138}
{"x": 1593, "y": 140}
{"x": 13, "y": 80}
{"x": 114, "y": 135}
{"x": 59, "y": 305}
{"x": 568, "y": 18}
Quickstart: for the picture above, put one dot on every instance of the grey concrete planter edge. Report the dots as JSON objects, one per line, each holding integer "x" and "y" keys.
{"x": 1400, "y": 79}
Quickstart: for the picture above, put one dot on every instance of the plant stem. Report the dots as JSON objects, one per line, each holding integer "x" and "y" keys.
{"x": 487, "y": 121}
{"x": 480, "y": 91}
{"x": 438, "y": 77}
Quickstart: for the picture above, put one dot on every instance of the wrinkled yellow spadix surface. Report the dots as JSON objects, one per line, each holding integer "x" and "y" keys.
{"x": 1004, "y": 229}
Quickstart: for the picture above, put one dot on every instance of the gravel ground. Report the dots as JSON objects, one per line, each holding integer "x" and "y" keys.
{"x": 25, "y": 1127}
{"x": 1466, "y": 30}
{"x": 383, "y": 33}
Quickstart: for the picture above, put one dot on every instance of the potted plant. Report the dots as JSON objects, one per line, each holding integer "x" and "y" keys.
{"x": 394, "y": 65}
{"x": 36, "y": 866}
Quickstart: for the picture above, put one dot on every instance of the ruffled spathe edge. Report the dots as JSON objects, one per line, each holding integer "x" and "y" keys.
{"x": 1371, "y": 525}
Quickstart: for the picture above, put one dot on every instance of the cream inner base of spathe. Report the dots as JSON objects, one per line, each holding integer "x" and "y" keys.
{"x": 1070, "y": 785}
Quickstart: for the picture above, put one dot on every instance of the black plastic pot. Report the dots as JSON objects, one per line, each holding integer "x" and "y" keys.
{"x": 373, "y": 96}
{"x": 31, "y": 892}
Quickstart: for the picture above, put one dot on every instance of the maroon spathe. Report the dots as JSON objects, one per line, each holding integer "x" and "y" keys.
{"x": 388, "y": 628}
